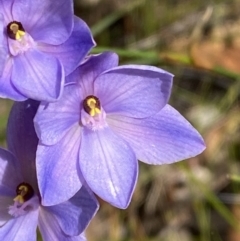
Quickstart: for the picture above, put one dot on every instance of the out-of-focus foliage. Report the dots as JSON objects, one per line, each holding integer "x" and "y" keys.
{"x": 198, "y": 41}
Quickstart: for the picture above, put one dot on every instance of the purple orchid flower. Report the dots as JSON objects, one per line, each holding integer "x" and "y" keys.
{"x": 41, "y": 42}
{"x": 21, "y": 209}
{"x": 107, "y": 118}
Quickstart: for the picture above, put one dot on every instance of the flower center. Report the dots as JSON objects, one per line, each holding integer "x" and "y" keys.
{"x": 19, "y": 41}
{"x": 92, "y": 114}
{"x": 91, "y": 105}
{"x": 25, "y": 201}
{"x": 24, "y": 192}
{"x": 15, "y": 30}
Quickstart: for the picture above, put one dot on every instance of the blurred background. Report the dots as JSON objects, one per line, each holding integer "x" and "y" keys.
{"x": 199, "y": 42}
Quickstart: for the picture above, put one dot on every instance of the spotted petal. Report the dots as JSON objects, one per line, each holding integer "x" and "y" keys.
{"x": 73, "y": 51}
{"x": 38, "y": 76}
{"x": 133, "y": 90}
{"x": 46, "y": 21}
{"x": 109, "y": 166}
{"x": 164, "y": 138}
{"x": 57, "y": 168}
{"x": 21, "y": 228}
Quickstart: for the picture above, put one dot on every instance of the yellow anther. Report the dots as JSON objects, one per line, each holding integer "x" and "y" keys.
{"x": 19, "y": 34}
{"x": 94, "y": 111}
{"x": 14, "y": 27}
{"x": 15, "y": 30}
{"x": 19, "y": 199}
{"x": 24, "y": 192}
{"x": 23, "y": 189}
{"x": 93, "y": 104}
